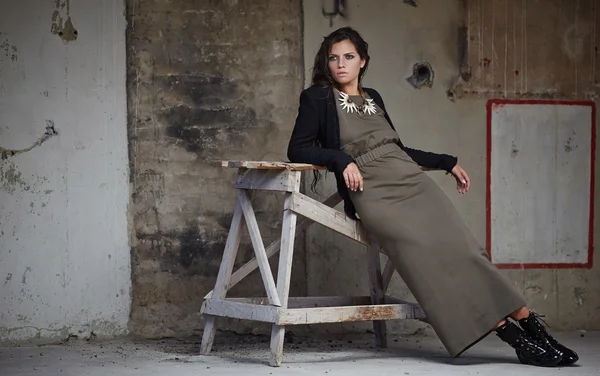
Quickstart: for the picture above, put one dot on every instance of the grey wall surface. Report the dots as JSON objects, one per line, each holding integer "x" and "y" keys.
{"x": 64, "y": 252}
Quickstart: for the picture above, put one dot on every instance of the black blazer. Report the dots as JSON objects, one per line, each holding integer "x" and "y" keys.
{"x": 316, "y": 139}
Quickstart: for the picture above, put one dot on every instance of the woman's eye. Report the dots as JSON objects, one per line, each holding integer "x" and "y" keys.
{"x": 348, "y": 57}
{"x": 332, "y": 58}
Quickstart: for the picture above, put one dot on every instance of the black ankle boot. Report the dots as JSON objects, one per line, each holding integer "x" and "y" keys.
{"x": 528, "y": 349}
{"x": 532, "y": 326}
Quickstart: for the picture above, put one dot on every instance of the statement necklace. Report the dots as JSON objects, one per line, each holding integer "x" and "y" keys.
{"x": 347, "y": 104}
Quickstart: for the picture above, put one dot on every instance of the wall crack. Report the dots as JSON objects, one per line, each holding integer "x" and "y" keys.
{"x": 50, "y": 131}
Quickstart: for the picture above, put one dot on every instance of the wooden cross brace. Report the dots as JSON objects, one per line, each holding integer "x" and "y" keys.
{"x": 278, "y": 308}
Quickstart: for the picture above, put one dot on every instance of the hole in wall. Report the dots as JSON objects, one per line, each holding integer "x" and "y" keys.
{"x": 423, "y": 72}
{"x": 422, "y": 75}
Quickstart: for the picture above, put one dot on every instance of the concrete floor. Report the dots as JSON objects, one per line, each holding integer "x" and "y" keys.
{"x": 247, "y": 355}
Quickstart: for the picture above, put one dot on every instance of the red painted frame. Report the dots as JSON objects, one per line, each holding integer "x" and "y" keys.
{"x": 488, "y": 210}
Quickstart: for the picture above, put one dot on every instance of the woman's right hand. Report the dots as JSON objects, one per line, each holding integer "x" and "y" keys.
{"x": 353, "y": 177}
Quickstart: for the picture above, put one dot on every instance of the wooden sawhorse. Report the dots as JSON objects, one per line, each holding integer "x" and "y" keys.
{"x": 278, "y": 308}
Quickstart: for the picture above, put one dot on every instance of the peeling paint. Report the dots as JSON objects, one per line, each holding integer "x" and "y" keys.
{"x": 62, "y": 25}
{"x": 44, "y": 335}
{"x": 514, "y": 150}
{"x": 533, "y": 289}
{"x": 10, "y": 51}
{"x": 568, "y": 146}
{"x": 579, "y": 294}
{"x": 8, "y": 278}
{"x": 24, "y": 278}
{"x": 21, "y": 317}
{"x": 11, "y": 179}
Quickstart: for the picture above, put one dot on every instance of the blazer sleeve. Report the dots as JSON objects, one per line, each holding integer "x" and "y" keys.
{"x": 422, "y": 158}
{"x": 302, "y": 148}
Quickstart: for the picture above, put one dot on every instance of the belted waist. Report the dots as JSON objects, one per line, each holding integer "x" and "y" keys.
{"x": 373, "y": 154}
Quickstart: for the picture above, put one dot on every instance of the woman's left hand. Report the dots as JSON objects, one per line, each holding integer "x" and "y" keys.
{"x": 462, "y": 179}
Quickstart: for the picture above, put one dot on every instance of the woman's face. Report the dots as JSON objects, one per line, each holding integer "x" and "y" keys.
{"x": 345, "y": 63}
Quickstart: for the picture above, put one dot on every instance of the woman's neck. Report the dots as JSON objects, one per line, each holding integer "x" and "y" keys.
{"x": 351, "y": 88}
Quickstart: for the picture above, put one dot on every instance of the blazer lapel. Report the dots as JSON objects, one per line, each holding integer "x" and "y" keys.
{"x": 333, "y": 134}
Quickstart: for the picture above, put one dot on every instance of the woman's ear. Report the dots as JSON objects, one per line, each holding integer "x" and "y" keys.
{"x": 363, "y": 61}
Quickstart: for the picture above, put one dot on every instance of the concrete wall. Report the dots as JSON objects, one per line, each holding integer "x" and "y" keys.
{"x": 399, "y": 36}
{"x": 208, "y": 81}
{"x": 543, "y": 49}
{"x": 64, "y": 253}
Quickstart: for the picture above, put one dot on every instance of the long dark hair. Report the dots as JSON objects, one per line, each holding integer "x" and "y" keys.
{"x": 322, "y": 76}
{"x": 320, "y": 71}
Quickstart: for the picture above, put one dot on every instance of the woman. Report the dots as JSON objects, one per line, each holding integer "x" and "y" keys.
{"x": 345, "y": 127}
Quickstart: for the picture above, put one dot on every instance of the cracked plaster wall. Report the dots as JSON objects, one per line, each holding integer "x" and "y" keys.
{"x": 64, "y": 253}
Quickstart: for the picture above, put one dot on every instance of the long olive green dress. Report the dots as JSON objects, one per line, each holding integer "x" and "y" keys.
{"x": 463, "y": 295}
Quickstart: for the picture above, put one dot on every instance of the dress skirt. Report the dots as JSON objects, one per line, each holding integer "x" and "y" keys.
{"x": 463, "y": 295}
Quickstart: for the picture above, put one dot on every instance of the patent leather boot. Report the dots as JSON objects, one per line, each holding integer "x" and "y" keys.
{"x": 528, "y": 349}
{"x": 532, "y": 326}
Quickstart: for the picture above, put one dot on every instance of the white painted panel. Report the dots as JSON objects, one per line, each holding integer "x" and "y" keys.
{"x": 64, "y": 252}
{"x": 540, "y": 183}
{"x": 573, "y": 174}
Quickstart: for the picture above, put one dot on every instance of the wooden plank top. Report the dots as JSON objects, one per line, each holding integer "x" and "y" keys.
{"x": 271, "y": 165}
